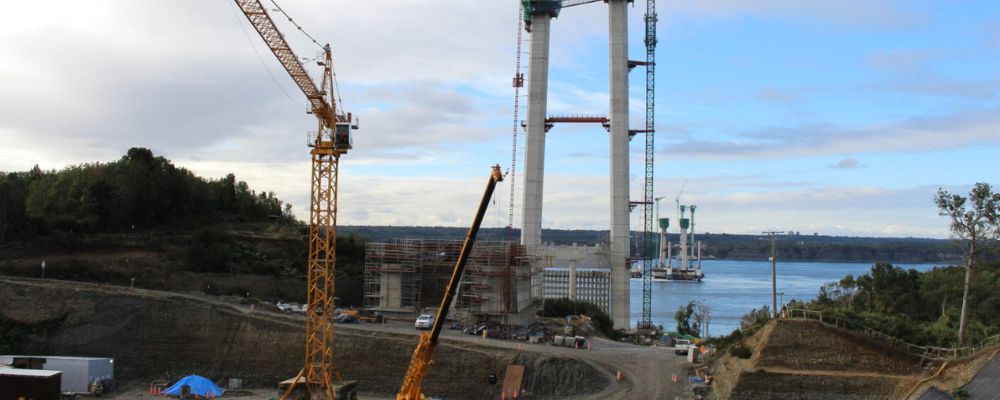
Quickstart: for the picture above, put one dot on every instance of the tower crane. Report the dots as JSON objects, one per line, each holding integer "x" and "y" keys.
{"x": 331, "y": 140}
{"x": 421, "y": 360}
{"x": 647, "y": 214}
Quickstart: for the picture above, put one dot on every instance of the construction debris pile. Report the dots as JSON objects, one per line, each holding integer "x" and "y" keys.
{"x": 555, "y": 331}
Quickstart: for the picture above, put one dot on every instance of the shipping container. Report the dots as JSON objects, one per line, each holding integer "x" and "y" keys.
{"x": 34, "y": 384}
{"x": 77, "y": 372}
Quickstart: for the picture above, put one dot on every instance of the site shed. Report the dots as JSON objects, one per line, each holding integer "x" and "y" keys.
{"x": 77, "y": 372}
{"x": 29, "y": 384}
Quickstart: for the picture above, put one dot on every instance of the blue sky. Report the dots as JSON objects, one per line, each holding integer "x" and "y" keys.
{"x": 837, "y": 117}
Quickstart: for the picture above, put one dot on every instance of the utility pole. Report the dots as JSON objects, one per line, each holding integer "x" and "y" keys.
{"x": 774, "y": 273}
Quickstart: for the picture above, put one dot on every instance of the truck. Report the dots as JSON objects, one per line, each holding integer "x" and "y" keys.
{"x": 682, "y": 346}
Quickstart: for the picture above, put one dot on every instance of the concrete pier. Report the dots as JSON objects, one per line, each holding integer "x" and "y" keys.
{"x": 534, "y": 158}
{"x": 618, "y": 82}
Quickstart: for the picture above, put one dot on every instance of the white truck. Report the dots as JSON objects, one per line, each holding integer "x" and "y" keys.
{"x": 682, "y": 346}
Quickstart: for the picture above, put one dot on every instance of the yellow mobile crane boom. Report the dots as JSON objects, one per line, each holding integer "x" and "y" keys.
{"x": 332, "y": 139}
{"x": 422, "y": 355}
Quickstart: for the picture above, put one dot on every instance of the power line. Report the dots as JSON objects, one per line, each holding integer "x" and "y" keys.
{"x": 333, "y": 71}
{"x": 282, "y": 11}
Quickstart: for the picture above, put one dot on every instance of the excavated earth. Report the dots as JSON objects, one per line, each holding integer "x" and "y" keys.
{"x": 158, "y": 335}
{"x": 799, "y": 359}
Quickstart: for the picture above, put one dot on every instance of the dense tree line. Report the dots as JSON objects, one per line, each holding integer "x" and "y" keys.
{"x": 138, "y": 191}
{"x": 918, "y": 307}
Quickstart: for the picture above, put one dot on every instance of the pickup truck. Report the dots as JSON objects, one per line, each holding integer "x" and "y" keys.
{"x": 682, "y": 346}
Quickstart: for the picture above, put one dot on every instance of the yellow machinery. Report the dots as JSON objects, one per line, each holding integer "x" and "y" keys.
{"x": 422, "y": 355}
{"x": 332, "y": 139}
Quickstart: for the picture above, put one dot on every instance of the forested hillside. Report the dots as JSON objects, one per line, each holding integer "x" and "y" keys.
{"x": 918, "y": 307}
{"x": 138, "y": 191}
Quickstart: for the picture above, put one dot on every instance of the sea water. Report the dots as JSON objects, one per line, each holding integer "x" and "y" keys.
{"x": 733, "y": 288}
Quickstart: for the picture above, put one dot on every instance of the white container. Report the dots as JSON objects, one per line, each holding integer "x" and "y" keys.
{"x": 77, "y": 372}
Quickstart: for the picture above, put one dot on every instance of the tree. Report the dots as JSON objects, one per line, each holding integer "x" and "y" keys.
{"x": 974, "y": 223}
{"x": 683, "y": 318}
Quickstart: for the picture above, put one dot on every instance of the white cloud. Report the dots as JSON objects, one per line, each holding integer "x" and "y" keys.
{"x": 960, "y": 130}
{"x": 876, "y": 15}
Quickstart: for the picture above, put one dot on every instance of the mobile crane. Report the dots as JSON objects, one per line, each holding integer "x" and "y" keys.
{"x": 331, "y": 140}
{"x": 421, "y": 360}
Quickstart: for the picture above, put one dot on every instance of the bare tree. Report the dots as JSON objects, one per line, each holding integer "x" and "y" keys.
{"x": 974, "y": 223}
{"x": 703, "y": 315}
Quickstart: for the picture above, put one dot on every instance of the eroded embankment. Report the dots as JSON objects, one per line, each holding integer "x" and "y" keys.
{"x": 156, "y": 335}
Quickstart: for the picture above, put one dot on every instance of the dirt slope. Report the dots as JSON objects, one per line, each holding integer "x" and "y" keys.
{"x": 157, "y": 335}
{"x": 798, "y": 359}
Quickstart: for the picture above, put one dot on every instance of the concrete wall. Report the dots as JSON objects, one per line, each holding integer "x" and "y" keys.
{"x": 390, "y": 290}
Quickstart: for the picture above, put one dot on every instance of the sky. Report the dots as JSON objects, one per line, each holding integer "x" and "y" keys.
{"x": 838, "y": 117}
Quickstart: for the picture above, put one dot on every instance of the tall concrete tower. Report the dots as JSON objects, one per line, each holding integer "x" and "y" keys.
{"x": 534, "y": 161}
{"x": 618, "y": 59}
{"x": 534, "y": 158}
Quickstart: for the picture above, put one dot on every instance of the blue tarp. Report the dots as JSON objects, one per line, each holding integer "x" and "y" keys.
{"x": 200, "y": 386}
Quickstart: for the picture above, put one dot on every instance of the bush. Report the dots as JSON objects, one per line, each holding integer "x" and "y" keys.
{"x": 740, "y": 351}
{"x": 560, "y": 308}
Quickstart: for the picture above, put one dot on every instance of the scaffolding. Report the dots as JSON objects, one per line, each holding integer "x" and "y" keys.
{"x": 409, "y": 276}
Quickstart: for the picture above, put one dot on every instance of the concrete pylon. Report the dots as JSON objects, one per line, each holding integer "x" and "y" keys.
{"x": 534, "y": 148}
{"x": 618, "y": 82}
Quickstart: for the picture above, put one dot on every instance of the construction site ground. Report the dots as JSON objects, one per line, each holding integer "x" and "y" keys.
{"x": 166, "y": 335}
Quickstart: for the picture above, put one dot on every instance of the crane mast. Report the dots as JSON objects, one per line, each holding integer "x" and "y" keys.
{"x": 647, "y": 207}
{"x": 331, "y": 140}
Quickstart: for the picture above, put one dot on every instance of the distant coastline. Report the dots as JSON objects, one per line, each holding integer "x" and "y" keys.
{"x": 795, "y": 247}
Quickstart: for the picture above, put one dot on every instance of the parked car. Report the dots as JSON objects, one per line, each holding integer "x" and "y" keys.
{"x": 286, "y": 307}
{"x": 682, "y": 346}
{"x": 345, "y": 319}
{"x": 423, "y": 322}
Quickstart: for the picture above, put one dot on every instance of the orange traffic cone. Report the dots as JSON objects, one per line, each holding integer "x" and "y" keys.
{"x": 618, "y": 375}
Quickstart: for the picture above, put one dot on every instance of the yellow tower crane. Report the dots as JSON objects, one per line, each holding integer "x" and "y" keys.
{"x": 332, "y": 139}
